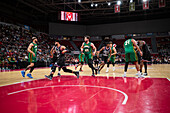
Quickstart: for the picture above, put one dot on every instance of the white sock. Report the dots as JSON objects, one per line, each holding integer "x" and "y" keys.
{"x": 138, "y": 72}
{"x": 125, "y": 73}
{"x": 107, "y": 68}
{"x": 58, "y": 71}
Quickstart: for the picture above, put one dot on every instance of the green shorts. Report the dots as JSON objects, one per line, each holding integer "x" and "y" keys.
{"x": 131, "y": 57}
{"x": 32, "y": 59}
{"x": 112, "y": 59}
{"x": 88, "y": 56}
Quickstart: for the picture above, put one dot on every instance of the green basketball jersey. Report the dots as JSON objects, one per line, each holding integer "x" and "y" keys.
{"x": 112, "y": 52}
{"x": 128, "y": 44}
{"x": 34, "y": 49}
{"x": 87, "y": 48}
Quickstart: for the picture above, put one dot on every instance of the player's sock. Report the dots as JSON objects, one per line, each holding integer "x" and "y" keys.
{"x": 124, "y": 75}
{"x": 107, "y": 70}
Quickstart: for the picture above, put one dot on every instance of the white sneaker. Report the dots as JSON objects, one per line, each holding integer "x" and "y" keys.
{"x": 140, "y": 76}
{"x": 145, "y": 74}
{"x": 137, "y": 74}
{"x": 124, "y": 75}
{"x": 113, "y": 68}
{"x": 107, "y": 70}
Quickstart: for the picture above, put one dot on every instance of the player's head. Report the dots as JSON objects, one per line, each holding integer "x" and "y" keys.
{"x": 57, "y": 42}
{"x": 108, "y": 43}
{"x": 128, "y": 37}
{"x": 86, "y": 38}
{"x": 34, "y": 39}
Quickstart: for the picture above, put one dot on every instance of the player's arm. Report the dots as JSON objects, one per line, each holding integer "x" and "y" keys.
{"x": 51, "y": 52}
{"x": 94, "y": 48}
{"x": 29, "y": 49}
{"x": 137, "y": 47}
{"x": 82, "y": 46}
{"x": 100, "y": 50}
{"x": 115, "y": 52}
{"x": 64, "y": 50}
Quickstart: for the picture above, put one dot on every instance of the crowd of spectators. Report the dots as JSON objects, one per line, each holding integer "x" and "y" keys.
{"x": 14, "y": 41}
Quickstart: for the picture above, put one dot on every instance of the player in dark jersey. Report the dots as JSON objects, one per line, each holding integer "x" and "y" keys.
{"x": 96, "y": 61}
{"x": 89, "y": 50}
{"x": 61, "y": 50}
{"x": 105, "y": 56}
{"x": 54, "y": 56}
{"x": 146, "y": 56}
{"x": 130, "y": 54}
{"x": 32, "y": 57}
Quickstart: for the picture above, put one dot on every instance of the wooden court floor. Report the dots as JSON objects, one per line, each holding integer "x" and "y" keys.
{"x": 154, "y": 71}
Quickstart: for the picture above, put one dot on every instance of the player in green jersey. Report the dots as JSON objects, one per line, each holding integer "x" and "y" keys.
{"x": 130, "y": 54}
{"x": 112, "y": 56}
{"x": 81, "y": 61}
{"x": 32, "y": 57}
{"x": 89, "y": 50}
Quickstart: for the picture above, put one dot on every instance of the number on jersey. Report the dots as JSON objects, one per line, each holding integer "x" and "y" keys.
{"x": 127, "y": 42}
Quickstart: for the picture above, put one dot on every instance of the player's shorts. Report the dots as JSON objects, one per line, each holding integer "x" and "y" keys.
{"x": 105, "y": 58}
{"x": 53, "y": 60}
{"x": 61, "y": 62}
{"x": 131, "y": 57}
{"x": 32, "y": 59}
{"x": 96, "y": 62}
{"x": 112, "y": 59}
{"x": 146, "y": 56}
{"x": 88, "y": 56}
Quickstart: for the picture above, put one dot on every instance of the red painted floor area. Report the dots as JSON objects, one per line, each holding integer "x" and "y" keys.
{"x": 87, "y": 95}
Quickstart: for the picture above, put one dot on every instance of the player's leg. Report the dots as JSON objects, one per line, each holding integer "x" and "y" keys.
{"x": 31, "y": 69}
{"x": 145, "y": 66}
{"x": 70, "y": 71}
{"x": 127, "y": 59}
{"x": 59, "y": 69}
{"x": 50, "y": 76}
{"x": 134, "y": 58}
{"x": 113, "y": 62}
{"x": 28, "y": 67}
{"x": 107, "y": 70}
{"x": 81, "y": 66}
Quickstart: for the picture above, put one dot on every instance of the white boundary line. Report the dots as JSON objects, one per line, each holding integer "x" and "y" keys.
{"x": 123, "y": 103}
{"x": 168, "y": 79}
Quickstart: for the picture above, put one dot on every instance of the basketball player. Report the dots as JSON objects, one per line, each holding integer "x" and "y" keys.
{"x": 96, "y": 61}
{"x": 89, "y": 50}
{"x": 60, "y": 50}
{"x": 105, "y": 56}
{"x": 32, "y": 57}
{"x": 112, "y": 55}
{"x": 55, "y": 56}
{"x": 130, "y": 54}
{"x": 146, "y": 56}
{"x": 81, "y": 61}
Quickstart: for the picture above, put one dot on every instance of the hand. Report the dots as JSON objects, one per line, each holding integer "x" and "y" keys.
{"x": 141, "y": 53}
{"x": 93, "y": 53}
{"x": 108, "y": 60}
{"x": 40, "y": 50}
{"x": 33, "y": 54}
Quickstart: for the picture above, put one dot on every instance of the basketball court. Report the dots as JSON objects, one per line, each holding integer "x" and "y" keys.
{"x": 106, "y": 93}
